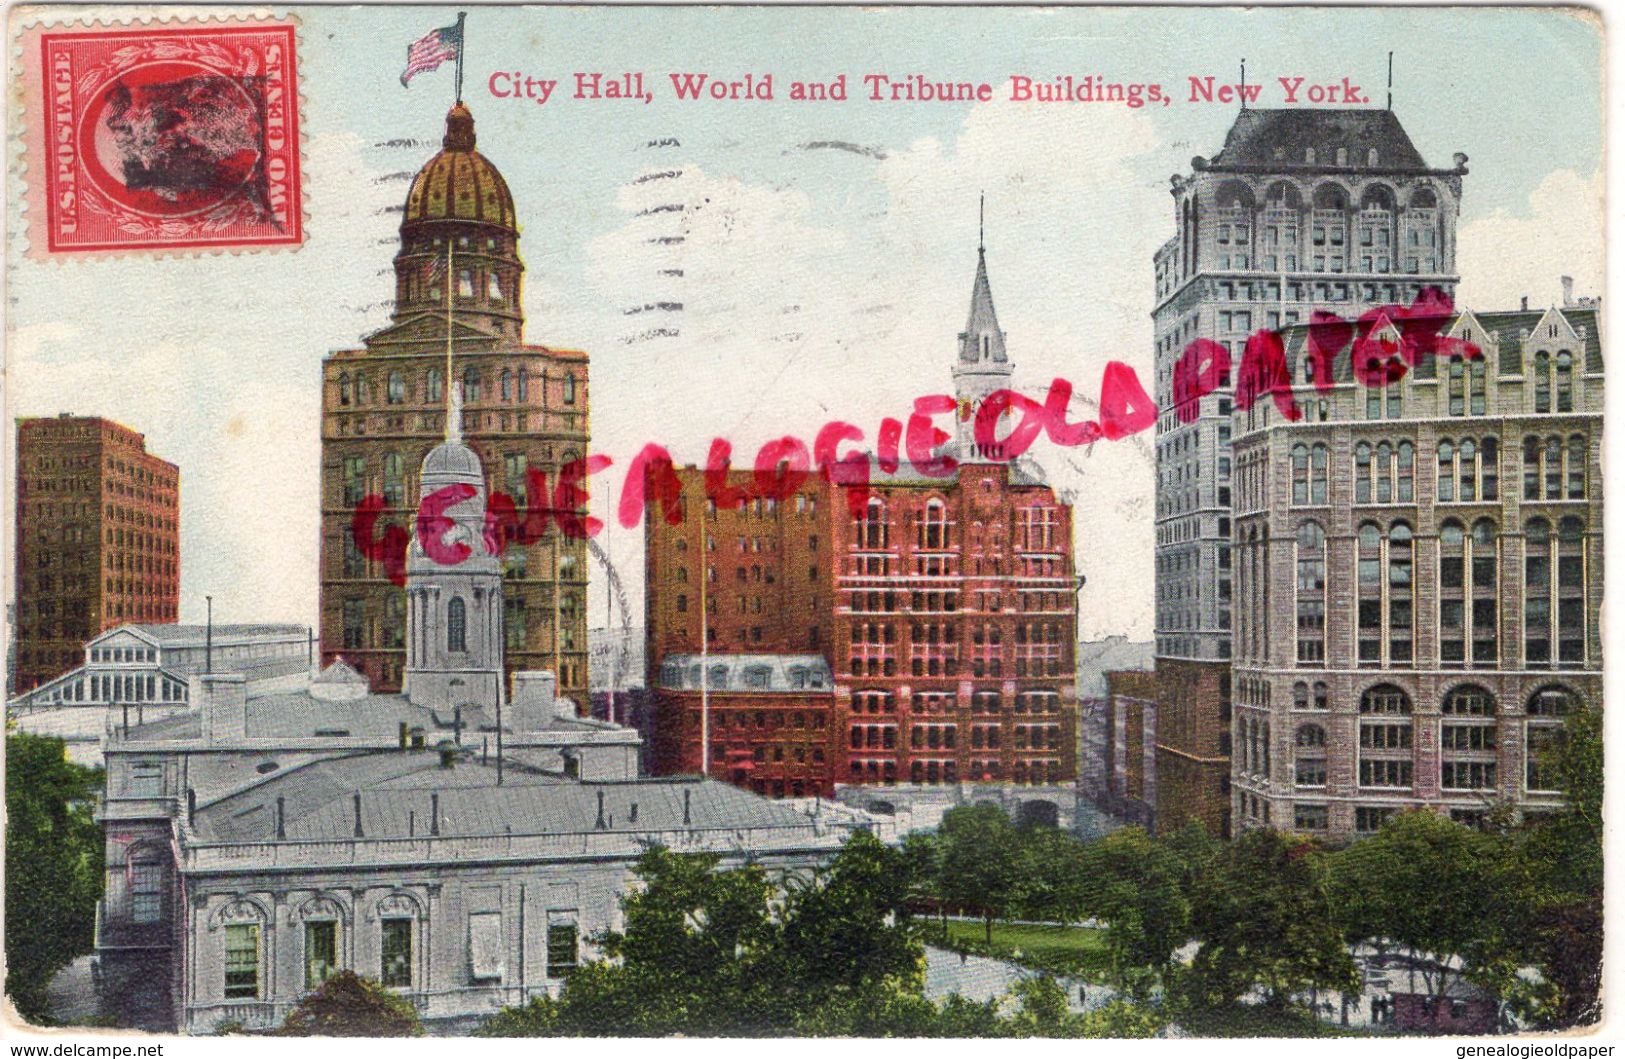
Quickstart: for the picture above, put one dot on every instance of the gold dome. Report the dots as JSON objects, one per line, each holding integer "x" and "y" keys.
{"x": 459, "y": 183}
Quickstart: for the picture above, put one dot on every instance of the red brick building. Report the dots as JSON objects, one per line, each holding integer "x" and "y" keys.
{"x": 98, "y": 539}
{"x": 525, "y": 409}
{"x": 929, "y": 641}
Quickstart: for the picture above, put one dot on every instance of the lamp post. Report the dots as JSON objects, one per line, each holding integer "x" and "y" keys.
{"x": 208, "y": 637}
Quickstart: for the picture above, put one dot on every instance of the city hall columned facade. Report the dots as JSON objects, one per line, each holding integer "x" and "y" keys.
{"x": 1419, "y": 573}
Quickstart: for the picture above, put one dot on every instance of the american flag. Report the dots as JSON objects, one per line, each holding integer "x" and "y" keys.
{"x": 432, "y": 49}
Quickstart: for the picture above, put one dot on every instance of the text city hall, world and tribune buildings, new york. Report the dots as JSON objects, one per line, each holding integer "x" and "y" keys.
{"x": 403, "y": 814}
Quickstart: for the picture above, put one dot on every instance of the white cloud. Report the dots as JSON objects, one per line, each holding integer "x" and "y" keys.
{"x": 1504, "y": 257}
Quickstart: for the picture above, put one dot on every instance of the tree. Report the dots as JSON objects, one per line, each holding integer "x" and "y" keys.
{"x": 53, "y": 866}
{"x": 1564, "y": 854}
{"x": 348, "y": 1005}
{"x": 1137, "y": 886}
{"x": 1262, "y": 915}
{"x": 981, "y": 863}
{"x": 1451, "y": 898}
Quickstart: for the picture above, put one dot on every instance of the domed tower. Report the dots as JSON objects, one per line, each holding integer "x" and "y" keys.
{"x": 459, "y": 201}
{"x": 453, "y": 587}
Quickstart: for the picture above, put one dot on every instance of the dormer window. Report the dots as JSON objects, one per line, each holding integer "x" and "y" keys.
{"x": 1309, "y": 156}
{"x": 984, "y": 347}
{"x": 1371, "y": 157}
{"x": 1342, "y": 156}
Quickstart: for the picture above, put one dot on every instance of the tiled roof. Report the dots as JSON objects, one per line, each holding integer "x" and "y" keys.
{"x": 318, "y": 803}
{"x": 1279, "y": 139}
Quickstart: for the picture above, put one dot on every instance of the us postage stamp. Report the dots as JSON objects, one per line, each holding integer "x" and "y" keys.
{"x": 795, "y": 521}
{"x": 164, "y": 137}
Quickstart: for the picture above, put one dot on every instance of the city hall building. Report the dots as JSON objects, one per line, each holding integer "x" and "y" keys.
{"x": 1419, "y": 577}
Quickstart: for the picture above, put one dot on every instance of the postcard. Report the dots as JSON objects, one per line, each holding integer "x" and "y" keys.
{"x": 798, "y": 521}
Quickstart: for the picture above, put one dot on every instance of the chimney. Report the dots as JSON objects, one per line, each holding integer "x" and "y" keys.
{"x": 281, "y": 818}
{"x": 457, "y": 725}
{"x": 1568, "y": 291}
{"x": 434, "y": 813}
{"x": 358, "y": 831}
{"x": 191, "y": 805}
{"x": 411, "y": 823}
{"x": 1523, "y": 303}
{"x": 687, "y": 818}
{"x": 223, "y": 705}
{"x": 405, "y": 735}
{"x": 632, "y": 817}
{"x": 600, "y": 825}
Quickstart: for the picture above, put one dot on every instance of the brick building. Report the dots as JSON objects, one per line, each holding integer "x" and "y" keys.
{"x": 1131, "y": 746}
{"x": 98, "y": 539}
{"x": 524, "y": 409}
{"x": 1419, "y": 575}
{"x": 1302, "y": 209}
{"x": 929, "y": 641}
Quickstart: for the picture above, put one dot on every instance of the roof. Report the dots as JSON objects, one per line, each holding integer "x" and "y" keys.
{"x": 983, "y": 321}
{"x": 1506, "y": 329}
{"x": 1280, "y": 139}
{"x": 174, "y": 635}
{"x": 396, "y": 789}
{"x": 459, "y": 183}
{"x": 296, "y": 715}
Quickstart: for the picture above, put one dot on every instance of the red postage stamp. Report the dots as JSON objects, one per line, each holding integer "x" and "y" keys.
{"x": 168, "y": 137}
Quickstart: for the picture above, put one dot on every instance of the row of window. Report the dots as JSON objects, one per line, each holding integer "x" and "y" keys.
{"x": 1468, "y": 471}
{"x": 398, "y": 954}
{"x": 511, "y": 386}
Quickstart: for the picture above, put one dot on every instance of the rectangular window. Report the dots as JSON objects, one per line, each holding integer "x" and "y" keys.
{"x": 243, "y": 961}
{"x": 396, "y": 955}
{"x": 1369, "y": 818}
{"x": 146, "y": 779}
{"x": 485, "y": 946}
{"x": 321, "y": 952}
{"x": 562, "y": 943}
{"x": 146, "y": 891}
{"x": 1310, "y": 817}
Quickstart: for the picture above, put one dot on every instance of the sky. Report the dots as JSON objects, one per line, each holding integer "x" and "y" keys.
{"x": 828, "y": 247}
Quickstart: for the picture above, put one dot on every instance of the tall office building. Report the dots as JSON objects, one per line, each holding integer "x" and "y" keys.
{"x": 1419, "y": 574}
{"x": 98, "y": 539}
{"x": 524, "y": 409}
{"x": 1302, "y": 209}
{"x": 928, "y": 642}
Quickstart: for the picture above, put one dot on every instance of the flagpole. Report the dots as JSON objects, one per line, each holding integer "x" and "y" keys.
{"x": 461, "y": 15}
{"x": 452, "y": 408}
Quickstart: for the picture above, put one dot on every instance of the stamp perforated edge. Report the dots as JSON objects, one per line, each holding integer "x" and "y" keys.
{"x": 26, "y": 207}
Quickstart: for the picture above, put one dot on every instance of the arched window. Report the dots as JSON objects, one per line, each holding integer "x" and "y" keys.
{"x": 456, "y": 625}
{"x": 934, "y": 526}
{"x": 1543, "y": 382}
{"x": 1554, "y": 468}
{"x": 1317, "y": 474}
{"x": 363, "y": 389}
{"x": 1300, "y": 696}
{"x": 1399, "y": 593}
{"x": 1322, "y": 696}
{"x": 1447, "y": 471}
{"x": 1362, "y": 473}
{"x": 569, "y": 389}
{"x": 1476, "y": 373}
{"x": 523, "y": 382}
{"x": 1577, "y": 467}
{"x": 1482, "y": 560}
{"x": 1489, "y": 470}
{"x": 396, "y": 387}
{"x": 1452, "y": 593}
{"x": 345, "y": 396}
{"x": 471, "y": 385}
{"x": 507, "y": 384}
{"x": 1468, "y": 700}
{"x": 1386, "y": 737}
{"x": 1385, "y": 473}
{"x": 394, "y": 483}
{"x": 1311, "y": 583}
{"x": 873, "y": 530}
{"x": 1565, "y": 381}
{"x": 1404, "y": 485}
{"x": 436, "y": 386}
{"x": 1300, "y": 474}
{"x": 1370, "y": 594}
{"x": 1467, "y": 458}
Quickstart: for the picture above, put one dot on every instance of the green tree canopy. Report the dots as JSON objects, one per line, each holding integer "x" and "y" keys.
{"x": 53, "y": 866}
{"x": 348, "y": 1005}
